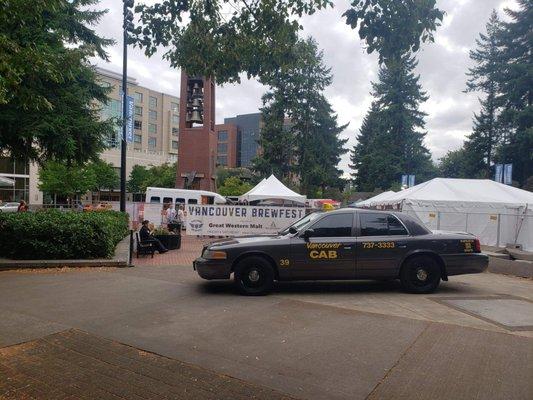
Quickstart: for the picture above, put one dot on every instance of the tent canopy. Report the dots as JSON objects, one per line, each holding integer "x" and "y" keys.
{"x": 498, "y": 214}
{"x": 462, "y": 191}
{"x": 272, "y": 188}
{"x": 379, "y": 197}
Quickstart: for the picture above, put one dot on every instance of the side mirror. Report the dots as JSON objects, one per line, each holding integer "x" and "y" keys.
{"x": 308, "y": 233}
{"x": 293, "y": 230}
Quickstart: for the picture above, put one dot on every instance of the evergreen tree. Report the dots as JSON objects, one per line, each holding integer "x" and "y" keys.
{"x": 392, "y": 133}
{"x": 308, "y": 147}
{"x": 483, "y": 77}
{"x": 48, "y": 88}
{"x": 516, "y": 86}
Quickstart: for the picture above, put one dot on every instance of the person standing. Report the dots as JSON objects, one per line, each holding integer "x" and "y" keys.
{"x": 171, "y": 214}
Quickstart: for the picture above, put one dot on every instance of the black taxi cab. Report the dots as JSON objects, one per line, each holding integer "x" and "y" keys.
{"x": 345, "y": 244}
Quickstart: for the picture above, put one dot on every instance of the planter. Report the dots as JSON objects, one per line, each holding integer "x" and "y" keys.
{"x": 171, "y": 242}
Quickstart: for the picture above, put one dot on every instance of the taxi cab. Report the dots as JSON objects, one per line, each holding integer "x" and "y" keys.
{"x": 345, "y": 244}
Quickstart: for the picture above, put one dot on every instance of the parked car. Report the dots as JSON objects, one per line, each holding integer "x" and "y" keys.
{"x": 9, "y": 207}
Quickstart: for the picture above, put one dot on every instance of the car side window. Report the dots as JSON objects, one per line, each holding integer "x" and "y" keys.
{"x": 336, "y": 225}
{"x": 395, "y": 226}
{"x": 155, "y": 199}
{"x": 374, "y": 224}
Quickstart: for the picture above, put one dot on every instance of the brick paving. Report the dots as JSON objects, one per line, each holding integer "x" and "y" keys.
{"x": 191, "y": 247}
{"x": 76, "y": 365}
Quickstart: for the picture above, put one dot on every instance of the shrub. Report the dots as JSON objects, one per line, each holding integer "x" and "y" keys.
{"x": 53, "y": 234}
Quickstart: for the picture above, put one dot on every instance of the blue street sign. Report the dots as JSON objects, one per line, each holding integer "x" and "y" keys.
{"x": 404, "y": 180}
{"x": 498, "y": 173}
{"x": 411, "y": 180}
{"x": 508, "y": 174}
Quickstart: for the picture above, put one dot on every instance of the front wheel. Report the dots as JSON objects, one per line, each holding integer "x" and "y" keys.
{"x": 254, "y": 276}
{"x": 420, "y": 274}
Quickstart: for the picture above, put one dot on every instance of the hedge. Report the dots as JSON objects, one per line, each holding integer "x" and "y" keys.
{"x": 52, "y": 234}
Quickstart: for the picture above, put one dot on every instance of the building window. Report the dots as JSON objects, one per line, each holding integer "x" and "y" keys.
{"x": 174, "y": 107}
{"x": 175, "y": 144}
{"x": 223, "y": 136}
{"x": 222, "y": 148}
{"x": 138, "y": 110}
{"x": 222, "y": 160}
{"x": 175, "y": 131}
{"x": 152, "y": 142}
{"x": 138, "y": 97}
{"x": 137, "y": 138}
{"x": 153, "y": 115}
{"x": 152, "y": 128}
{"x": 153, "y": 102}
{"x": 112, "y": 109}
{"x": 175, "y": 119}
{"x": 137, "y": 124}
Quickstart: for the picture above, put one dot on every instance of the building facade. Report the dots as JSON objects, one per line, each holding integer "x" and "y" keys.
{"x": 156, "y": 124}
{"x": 248, "y": 131}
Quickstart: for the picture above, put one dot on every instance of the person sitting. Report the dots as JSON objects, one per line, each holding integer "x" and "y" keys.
{"x": 147, "y": 237}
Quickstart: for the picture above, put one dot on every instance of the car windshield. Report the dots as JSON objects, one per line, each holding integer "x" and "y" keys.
{"x": 298, "y": 225}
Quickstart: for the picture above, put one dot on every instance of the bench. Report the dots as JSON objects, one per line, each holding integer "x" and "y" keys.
{"x": 144, "y": 248}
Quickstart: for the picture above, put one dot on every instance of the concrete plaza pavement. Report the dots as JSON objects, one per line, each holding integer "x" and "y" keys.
{"x": 329, "y": 340}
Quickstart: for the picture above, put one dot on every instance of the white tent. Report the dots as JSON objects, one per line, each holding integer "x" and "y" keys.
{"x": 498, "y": 214}
{"x": 377, "y": 198}
{"x": 272, "y": 188}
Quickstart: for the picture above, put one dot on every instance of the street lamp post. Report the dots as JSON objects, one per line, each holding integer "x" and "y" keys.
{"x": 127, "y": 25}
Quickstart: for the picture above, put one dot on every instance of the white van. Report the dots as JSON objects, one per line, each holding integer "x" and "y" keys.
{"x": 156, "y": 195}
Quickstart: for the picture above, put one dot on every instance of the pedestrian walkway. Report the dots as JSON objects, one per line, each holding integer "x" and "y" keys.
{"x": 191, "y": 248}
{"x": 76, "y": 365}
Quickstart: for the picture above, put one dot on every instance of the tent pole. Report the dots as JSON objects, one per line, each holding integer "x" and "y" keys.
{"x": 498, "y": 234}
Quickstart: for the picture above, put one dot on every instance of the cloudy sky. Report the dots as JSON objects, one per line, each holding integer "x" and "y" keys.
{"x": 442, "y": 67}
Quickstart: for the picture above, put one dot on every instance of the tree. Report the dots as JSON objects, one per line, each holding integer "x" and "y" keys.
{"x": 47, "y": 86}
{"x": 454, "y": 164}
{"x": 300, "y": 137}
{"x": 60, "y": 179}
{"x": 392, "y": 134}
{"x": 140, "y": 178}
{"x": 516, "y": 86}
{"x": 394, "y": 28}
{"x": 222, "y": 38}
{"x": 233, "y": 186}
{"x": 483, "y": 77}
{"x": 105, "y": 175}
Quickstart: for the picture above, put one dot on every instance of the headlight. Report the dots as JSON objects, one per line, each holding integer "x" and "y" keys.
{"x": 214, "y": 255}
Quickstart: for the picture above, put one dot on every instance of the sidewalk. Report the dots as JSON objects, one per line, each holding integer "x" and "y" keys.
{"x": 191, "y": 247}
{"x": 76, "y": 365}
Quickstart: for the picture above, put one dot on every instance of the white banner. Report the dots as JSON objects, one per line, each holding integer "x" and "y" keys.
{"x": 225, "y": 220}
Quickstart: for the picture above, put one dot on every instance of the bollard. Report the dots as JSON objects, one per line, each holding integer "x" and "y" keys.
{"x": 130, "y": 255}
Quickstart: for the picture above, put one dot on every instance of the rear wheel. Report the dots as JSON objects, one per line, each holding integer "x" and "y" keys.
{"x": 420, "y": 274}
{"x": 254, "y": 276}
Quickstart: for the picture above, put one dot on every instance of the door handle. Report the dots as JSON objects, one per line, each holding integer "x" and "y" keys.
{"x": 347, "y": 247}
{"x": 401, "y": 245}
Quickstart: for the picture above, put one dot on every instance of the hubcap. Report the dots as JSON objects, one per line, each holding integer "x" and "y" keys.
{"x": 253, "y": 275}
{"x": 421, "y": 274}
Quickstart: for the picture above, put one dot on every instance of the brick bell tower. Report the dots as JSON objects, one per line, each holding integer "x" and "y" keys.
{"x": 197, "y": 139}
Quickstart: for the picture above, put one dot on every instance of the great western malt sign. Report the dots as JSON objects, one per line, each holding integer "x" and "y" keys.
{"x": 225, "y": 220}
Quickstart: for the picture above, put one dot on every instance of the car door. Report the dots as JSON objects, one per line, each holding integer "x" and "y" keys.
{"x": 382, "y": 242}
{"x": 329, "y": 253}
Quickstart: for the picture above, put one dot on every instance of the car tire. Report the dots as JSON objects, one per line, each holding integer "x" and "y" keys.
{"x": 420, "y": 274}
{"x": 254, "y": 276}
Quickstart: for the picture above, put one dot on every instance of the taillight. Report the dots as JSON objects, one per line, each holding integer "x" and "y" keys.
{"x": 477, "y": 246}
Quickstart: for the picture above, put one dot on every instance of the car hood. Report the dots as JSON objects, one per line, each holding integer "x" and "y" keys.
{"x": 244, "y": 240}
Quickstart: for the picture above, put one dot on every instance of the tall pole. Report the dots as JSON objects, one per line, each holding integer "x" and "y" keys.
{"x": 128, "y": 17}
